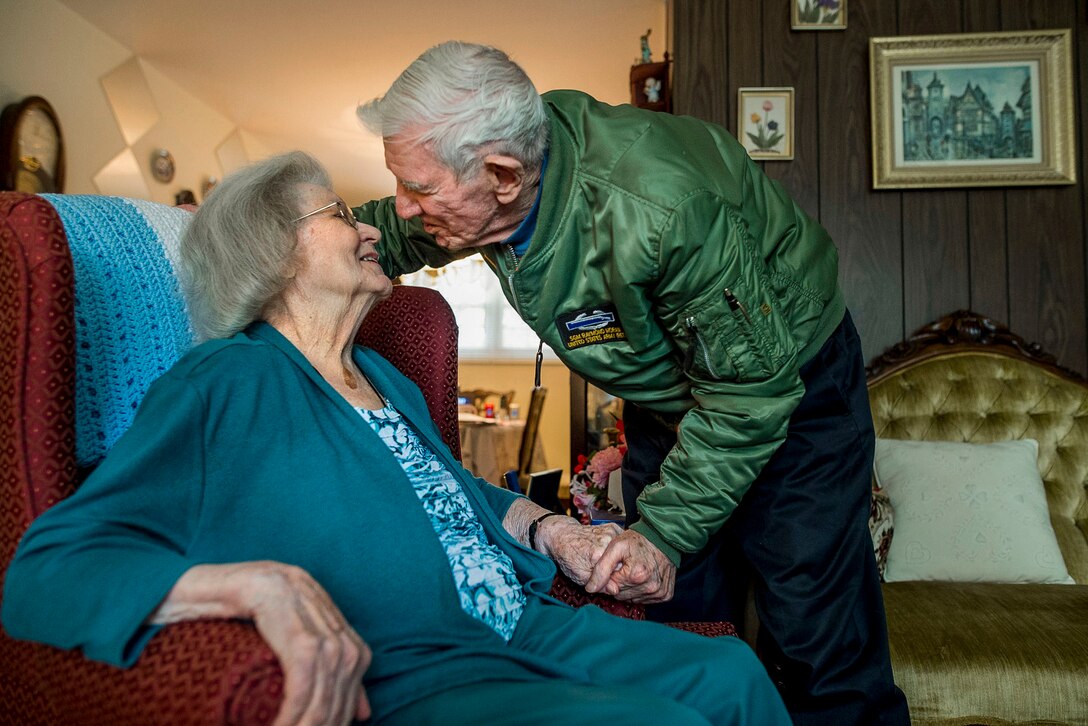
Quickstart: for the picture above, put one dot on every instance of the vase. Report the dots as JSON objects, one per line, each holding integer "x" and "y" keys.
{"x": 615, "y": 489}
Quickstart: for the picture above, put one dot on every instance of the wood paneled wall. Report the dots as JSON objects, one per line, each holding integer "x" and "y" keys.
{"x": 1016, "y": 254}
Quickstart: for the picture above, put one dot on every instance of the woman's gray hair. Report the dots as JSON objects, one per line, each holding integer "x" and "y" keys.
{"x": 237, "y": 252}
{"x": 461, "y": 99}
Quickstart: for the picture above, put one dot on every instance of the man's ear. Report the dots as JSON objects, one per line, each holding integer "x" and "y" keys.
{"x": 507, "y": 176}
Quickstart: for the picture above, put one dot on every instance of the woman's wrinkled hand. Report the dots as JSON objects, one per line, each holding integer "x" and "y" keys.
{"x": 574, "y": 546}
{"x": 322, "y": 657}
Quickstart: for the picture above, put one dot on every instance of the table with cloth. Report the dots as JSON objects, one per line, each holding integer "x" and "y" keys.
{"x": 489, "y": 447}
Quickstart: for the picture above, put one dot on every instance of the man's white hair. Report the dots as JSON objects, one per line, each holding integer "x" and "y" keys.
{"x": 463, "y": 100}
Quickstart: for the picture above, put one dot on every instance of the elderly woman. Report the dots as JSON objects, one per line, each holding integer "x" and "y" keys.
{"x": 278, "y": 473}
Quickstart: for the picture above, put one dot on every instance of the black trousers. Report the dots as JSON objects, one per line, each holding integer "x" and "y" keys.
{"x": 800, "y": 537}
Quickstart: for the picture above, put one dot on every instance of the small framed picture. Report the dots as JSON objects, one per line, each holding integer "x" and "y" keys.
{"x": 765, "y": 122}
{"x": 818, "y": 14}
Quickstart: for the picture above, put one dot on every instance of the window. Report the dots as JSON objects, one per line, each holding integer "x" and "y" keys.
{"x": 489, "y": 327}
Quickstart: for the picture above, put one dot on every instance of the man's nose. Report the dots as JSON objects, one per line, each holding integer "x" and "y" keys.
{"x": 406, "y": 207}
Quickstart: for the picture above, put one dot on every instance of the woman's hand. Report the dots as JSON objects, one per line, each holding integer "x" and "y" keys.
{"x": 574, "y": 546}
{"x": 322, "y": 657}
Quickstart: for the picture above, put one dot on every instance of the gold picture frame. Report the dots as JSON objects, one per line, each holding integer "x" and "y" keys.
{"x": 765, "y": 122}
{"x": 818, "y": 14}
{"x": 1010, "y": 125}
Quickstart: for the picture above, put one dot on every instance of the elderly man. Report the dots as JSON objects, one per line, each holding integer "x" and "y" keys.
{"x": 724, "y": 330}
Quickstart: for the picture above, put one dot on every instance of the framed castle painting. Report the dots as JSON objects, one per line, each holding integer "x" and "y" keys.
{"x": 972, "y": 110}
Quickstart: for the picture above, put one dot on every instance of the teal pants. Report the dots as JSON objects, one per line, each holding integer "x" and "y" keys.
{"x": 634, "y": 672}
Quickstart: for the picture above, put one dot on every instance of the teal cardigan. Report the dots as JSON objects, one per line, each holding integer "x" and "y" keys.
{"x": 240, "y": 452}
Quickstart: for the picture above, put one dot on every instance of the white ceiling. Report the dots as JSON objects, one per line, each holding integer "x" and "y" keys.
{"x": 291, "y": 72}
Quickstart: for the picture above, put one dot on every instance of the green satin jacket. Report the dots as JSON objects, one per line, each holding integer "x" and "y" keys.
{"x": 666, "y": 269}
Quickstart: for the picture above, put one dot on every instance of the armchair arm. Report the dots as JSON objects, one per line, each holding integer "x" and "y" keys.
{"x": 192, "y": 673}
{"x": 196, "y": 672}
{"x": 565, "y": 589}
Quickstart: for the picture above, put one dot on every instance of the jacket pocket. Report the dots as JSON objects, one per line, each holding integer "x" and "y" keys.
{"x": 730, "y": 338}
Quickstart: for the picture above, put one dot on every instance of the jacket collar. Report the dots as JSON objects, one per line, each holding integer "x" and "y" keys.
{"x": 556, "y": 186}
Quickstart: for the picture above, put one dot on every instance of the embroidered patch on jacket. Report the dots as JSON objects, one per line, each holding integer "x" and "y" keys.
{"x": 590, "y": 326}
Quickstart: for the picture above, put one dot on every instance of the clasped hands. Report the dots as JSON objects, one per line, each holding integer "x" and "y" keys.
{"x": 606, "y": 558}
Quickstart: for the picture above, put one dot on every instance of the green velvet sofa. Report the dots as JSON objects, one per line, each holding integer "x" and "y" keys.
{"x": 985, "y": 652}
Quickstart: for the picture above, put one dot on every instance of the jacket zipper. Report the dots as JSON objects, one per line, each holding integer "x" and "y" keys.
{"x": 749, "y": 332}
{"x": 517, "y": 307}
{"x": 510, "y": 277}
{"x": 735, "y": 304}
{"x": 690, "y": 323}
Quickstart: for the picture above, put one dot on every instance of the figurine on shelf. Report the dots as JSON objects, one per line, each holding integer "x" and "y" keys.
{"x": 652, "y": 90}
{"x": 645, "y": 43}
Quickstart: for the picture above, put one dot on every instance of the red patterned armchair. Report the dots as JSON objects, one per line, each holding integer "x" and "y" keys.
{"x": 191, "y": 673}
{"x": 198, "y": 672}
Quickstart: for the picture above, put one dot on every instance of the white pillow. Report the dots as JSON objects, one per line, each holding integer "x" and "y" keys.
{"x": 968, "y": 512}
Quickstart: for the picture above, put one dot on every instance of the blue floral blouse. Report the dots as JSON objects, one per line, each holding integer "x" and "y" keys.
{"x": 484, "y": 575}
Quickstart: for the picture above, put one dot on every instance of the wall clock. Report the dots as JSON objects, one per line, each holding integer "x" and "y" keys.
{"x": 31, "y": 147}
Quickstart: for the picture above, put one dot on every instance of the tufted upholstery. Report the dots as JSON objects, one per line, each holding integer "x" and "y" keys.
{"x": 981, "y": 397}
{"x": 987, "y": 653}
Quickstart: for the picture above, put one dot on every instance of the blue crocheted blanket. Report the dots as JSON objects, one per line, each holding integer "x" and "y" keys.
{"x": 131, "y": 321}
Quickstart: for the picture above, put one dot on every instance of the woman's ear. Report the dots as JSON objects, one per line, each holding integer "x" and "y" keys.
{"x": 507, "y": 176}
{"x": 290, "y": 267}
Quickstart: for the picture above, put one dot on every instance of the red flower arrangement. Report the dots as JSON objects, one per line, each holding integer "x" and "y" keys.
{"x": 589, "y": 485}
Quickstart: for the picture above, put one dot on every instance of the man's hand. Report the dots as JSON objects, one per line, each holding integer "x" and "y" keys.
{"x": 575, "y": 547}
{"x": 322, "y": 657}
{"x": 631, "y": 568}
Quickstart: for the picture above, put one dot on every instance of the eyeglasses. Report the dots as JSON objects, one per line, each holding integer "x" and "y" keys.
{"x": 343, "y": 211}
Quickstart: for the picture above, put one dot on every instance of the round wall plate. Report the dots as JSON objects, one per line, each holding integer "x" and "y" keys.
{"x": 162, "y": 165}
